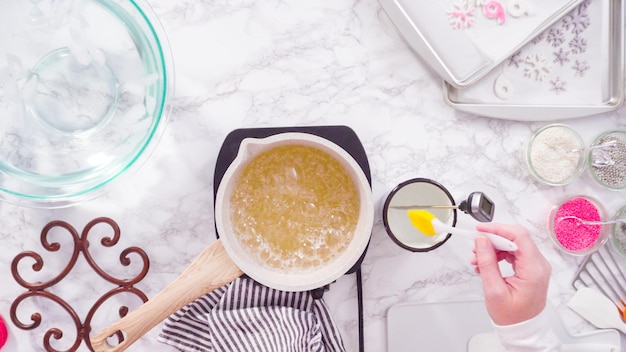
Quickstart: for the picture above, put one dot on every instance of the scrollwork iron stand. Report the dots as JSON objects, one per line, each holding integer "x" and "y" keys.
{"x": 81, "y": 245}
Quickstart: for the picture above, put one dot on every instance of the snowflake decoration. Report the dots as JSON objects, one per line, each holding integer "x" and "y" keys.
{"x": 557, "y": 85}
{"x": 577, "y": 21}
{"x": 578, "y": 45}
{"x": 537, "y": 67}
{"x": 561, "y": 56}
{"x": 585, "y": 4}
{"x": 516, "y": 59}
{"x": 536, "y": 40}
{"x": 580, "y": 67}
{"x": 479, "y": 3}
{"x": 462, "y": 15}
{"x": 555, "y": 37}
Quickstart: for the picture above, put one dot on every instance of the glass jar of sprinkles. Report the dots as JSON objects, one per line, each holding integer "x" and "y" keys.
{"x": 607, "y": 164}
{"x": 554, "y": 155}
{"x": 568, "y": 229}
{"x": 618, "y": 235}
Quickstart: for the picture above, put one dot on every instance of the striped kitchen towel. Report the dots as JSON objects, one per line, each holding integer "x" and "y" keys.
{"x": 247, "y": 316}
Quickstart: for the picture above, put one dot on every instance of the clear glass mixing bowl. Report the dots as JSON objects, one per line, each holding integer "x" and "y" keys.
{"x": 84, "y": 86}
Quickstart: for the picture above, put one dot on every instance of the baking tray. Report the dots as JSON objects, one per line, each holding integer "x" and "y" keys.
{"x": 449, "y": 326}
{"x": 583, "y": 71}
{"x": 463, "y": 55}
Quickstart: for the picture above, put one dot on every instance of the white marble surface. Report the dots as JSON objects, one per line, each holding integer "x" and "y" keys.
{"x": 288, "y": 62}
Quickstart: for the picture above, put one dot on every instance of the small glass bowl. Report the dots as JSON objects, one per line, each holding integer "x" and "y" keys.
{"x": 417, "y": 191}
{"x": 551, "y": 157}
{"x": 572, "y": 236}
{"x": 607, "y": 166}
{"x": 618, "y": 233}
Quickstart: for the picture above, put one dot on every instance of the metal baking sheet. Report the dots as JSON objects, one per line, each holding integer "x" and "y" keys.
{"x": 567, "y": 71}
{"x": 462, "y": 40}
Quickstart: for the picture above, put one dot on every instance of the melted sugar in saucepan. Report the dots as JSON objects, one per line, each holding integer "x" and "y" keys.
{"x": 294, "y": 207}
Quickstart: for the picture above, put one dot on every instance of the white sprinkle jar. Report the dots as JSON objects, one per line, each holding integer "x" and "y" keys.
{"x": 555, "y": 156}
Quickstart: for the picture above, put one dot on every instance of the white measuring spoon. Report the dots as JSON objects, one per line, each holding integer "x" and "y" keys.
{"x": 597, "y": 308}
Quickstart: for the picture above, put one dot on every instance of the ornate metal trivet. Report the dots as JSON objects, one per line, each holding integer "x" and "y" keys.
{"x": 81, "y": 244}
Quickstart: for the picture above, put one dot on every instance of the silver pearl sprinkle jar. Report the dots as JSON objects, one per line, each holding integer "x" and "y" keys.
{"x": 607, "y": 164}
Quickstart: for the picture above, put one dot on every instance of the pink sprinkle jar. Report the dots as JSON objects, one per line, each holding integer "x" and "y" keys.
{"x": 570, "y": 234}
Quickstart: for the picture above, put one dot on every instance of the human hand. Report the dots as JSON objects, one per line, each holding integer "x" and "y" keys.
{"x": 516, "y": 298}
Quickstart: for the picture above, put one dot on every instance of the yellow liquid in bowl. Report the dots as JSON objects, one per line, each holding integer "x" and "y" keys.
{"x": 294, "y": 208}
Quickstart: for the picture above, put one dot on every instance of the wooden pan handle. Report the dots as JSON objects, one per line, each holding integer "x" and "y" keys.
{"x": 211, "y": 269}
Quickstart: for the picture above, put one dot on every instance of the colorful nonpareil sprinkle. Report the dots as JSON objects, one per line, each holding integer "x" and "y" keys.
{"x": 571, "y": 233}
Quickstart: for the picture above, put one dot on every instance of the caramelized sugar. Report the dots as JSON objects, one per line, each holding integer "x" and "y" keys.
{"x": 294, "y": 208}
